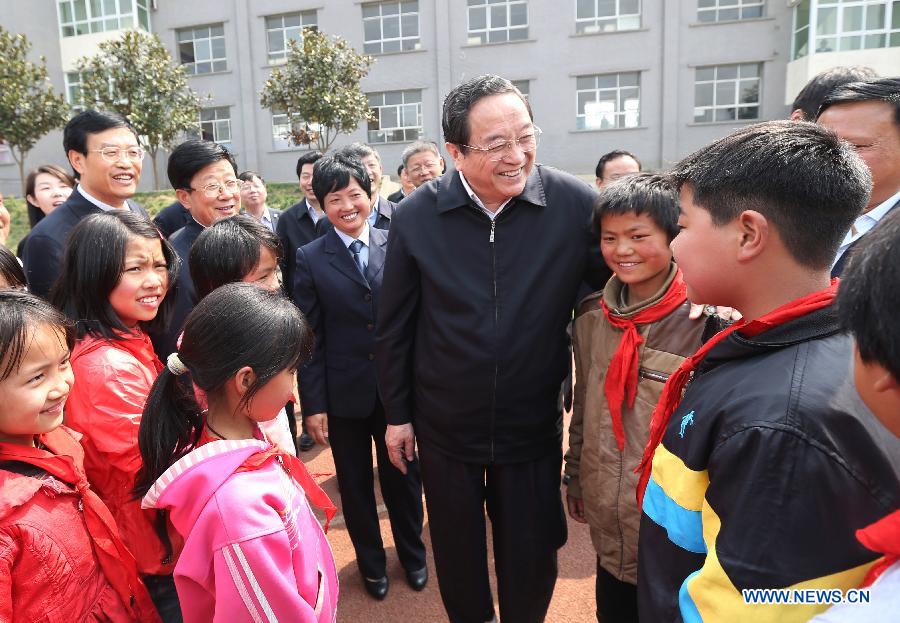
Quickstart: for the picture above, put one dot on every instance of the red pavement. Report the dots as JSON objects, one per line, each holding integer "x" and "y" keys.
{"x": 573, "y": 599}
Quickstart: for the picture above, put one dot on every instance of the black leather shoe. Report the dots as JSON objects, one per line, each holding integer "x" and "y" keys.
{"x": 306, "y": 442}
{"x": 377, "y": 588}
{"x": 417, "y": 579}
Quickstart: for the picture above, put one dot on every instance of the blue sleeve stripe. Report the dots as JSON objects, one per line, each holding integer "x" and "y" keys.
{"x": 689, "y": 611}
{"x": 684, "y": 527}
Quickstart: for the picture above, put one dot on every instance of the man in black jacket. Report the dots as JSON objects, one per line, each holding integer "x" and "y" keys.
{"x": 106, "y": 156}
{"x": 483, "y": 268}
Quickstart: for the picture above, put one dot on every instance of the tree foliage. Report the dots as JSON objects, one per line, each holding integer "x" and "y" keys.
{"x": 136, "y": 77}
{"x": 318, "y": 88}
{"x": 29, "y": 108}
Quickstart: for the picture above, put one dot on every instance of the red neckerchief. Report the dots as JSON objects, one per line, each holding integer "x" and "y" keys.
{"x": 115, "y": 560}
{"x": 297, "y": 470}
{"x": 622, "y": 374}
{"x": 672, "y": 392}
{"x": 882, "y": 537}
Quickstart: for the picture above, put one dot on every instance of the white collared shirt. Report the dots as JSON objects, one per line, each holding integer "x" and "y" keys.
{"x": 865, "y": 222}
{"x": 313, "y": 214}
{"x": 478, "y": 202}
{"x": 103, "y": 206}
{"x": 363, "y": 237}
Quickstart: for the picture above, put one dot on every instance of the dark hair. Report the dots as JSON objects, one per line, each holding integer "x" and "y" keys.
{"x": 810, "y": 96}
{"x": 247, "y": 176}
{"x": 190, "y": 157}
{"x": 458, "y": 103}
{"x": 359, "y": 151}
{"x": 228, "y": 251}
{"x": 641, "y": 193}
{"x": 91, "y": 121}
{"x": 612, "y": 155}
{"x": 310, "y": 157}
{"x": 885, "y": 90}
{"x": 400, "y": 169}
{"x": 869, "y": 294}
{"x": 93, "y": 261}
{"x": 273, "y": 336}
{"x": 806, "y": 181}
{"x": 333, "y": 173}
{"x": 35, "y": 214}
{"x": 10, "y": 270}
{"x": 22, "y": 314}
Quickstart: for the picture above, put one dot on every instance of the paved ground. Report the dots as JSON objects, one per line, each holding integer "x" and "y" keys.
{"x": 573, "y": 600}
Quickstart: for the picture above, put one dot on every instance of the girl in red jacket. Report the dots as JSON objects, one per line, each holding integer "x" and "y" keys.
{"x": 116, "y": 272}
{"x": 61, "y": 558}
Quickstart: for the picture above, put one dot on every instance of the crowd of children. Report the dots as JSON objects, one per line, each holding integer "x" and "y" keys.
{"x": 709, "y": 459}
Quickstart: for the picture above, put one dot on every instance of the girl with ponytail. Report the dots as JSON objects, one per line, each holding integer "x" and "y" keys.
{"x": 252, "y": 547}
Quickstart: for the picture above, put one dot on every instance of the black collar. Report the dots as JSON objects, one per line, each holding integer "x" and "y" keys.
{"x": 452, "y": 194}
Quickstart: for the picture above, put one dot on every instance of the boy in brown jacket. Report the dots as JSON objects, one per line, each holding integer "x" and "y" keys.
{"x": 628, "y": 339}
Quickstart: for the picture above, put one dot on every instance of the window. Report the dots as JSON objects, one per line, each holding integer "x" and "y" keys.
{"x": 282, "y": 28}
{"x": 727, "y": 10}
{"x": 398, "y": 116}
{"x": 282, "y": 129}
{"x": 202, "y": 49}
{"x": 593, "y": 16}
{"x": 839, "y": 25}
{"x": 81, "y": 17}
{"x": 215, "y": 125}
{"x": 608, "y": 101}
{"x": 73, "y": 90}
{"x": 522, "y": 85}
{"x": 6, "y": 156}
{"x": 495, "y": 21}
{"x": 391, "y": 27}
{"x": 727, "y": 93}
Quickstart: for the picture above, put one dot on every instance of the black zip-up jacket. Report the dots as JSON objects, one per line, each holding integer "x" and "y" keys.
{"x": 768, "y": 466}
{"x": 471, "y": 342}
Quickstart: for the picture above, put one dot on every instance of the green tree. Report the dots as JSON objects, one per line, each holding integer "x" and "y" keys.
{"x": 318, "y": 89}
{"x": 29, "y": 108}
{"x": 136, "y": 77}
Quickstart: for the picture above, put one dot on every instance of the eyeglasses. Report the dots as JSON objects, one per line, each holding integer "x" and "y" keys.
{"x": 496, "y": 151}
{"x": 213, "y": 190}
{"x": 115, "y": 154}
{"x": 425, "y": 166}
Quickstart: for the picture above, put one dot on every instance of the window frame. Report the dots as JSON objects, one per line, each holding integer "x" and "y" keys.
{"x": 217, "y": 64}
{"x": 721, "y": 6}
{"x": 622, "y": 21}
{"x": 414, "y": 41}
{"x": 73, "y": 25}
{"x": 736, "y": 104}
{"x": 214, "y": 128}
{"x": 619, "y": 114}
{"x": 279, "y": 56}
{"x": 410, "y": 132}
{"x": 483, "y": 36}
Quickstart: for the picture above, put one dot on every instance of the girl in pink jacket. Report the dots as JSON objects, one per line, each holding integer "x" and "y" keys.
{"x": 253, "y": 550}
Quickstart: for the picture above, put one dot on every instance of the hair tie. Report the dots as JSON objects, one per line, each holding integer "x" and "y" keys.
{"x": 175, "y": 365}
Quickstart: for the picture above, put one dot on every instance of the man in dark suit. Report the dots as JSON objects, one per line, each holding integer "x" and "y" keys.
{"x": 406, "y": 187}
{"x": 204, "y": 176}
{"x": 106, "y": 155}
{"x": 867, "y": 115}
{"x": 382, "y": 210}
{"x": 337, "y": 284}
{"x": 171, "y": 218}
{"x": 253, "y": 198}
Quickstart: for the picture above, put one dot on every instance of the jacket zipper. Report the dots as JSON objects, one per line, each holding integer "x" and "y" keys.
{"x": 653, "y": 375}
{"x": 496, "y": 334}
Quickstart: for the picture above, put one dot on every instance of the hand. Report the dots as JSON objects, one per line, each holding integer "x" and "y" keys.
{"x": 317, "y": 426}
{"x": 725, "y": 313}
{"x": 400, "y": 441}
{"x": 5, "y": 223}
{"x": 576, "y": 508}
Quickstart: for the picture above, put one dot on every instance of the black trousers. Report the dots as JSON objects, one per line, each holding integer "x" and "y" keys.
{"x": 528, "y": 525}
{"x": 617, "y": 601}
{"x": 351, "y": 445}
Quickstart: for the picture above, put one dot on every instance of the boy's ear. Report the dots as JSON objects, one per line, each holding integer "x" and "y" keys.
{"x": 754, "y": 232}
{"x": 885, "y": 381}
{"x": 244, "y": 379}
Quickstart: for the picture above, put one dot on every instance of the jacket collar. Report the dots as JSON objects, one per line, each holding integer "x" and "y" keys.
{"x": 613, "y": 289}
{"x": 452, "y": 194}
{"x": 385, "y": 208}
{"x": 817, "y": 325}
{"x": 340, "y": 256}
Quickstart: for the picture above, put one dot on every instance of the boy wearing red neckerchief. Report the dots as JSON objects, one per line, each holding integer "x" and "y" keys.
{"x": 868, "y": 301}
{"x": 628, "y": 338}
{"x": 762, "y": 462}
